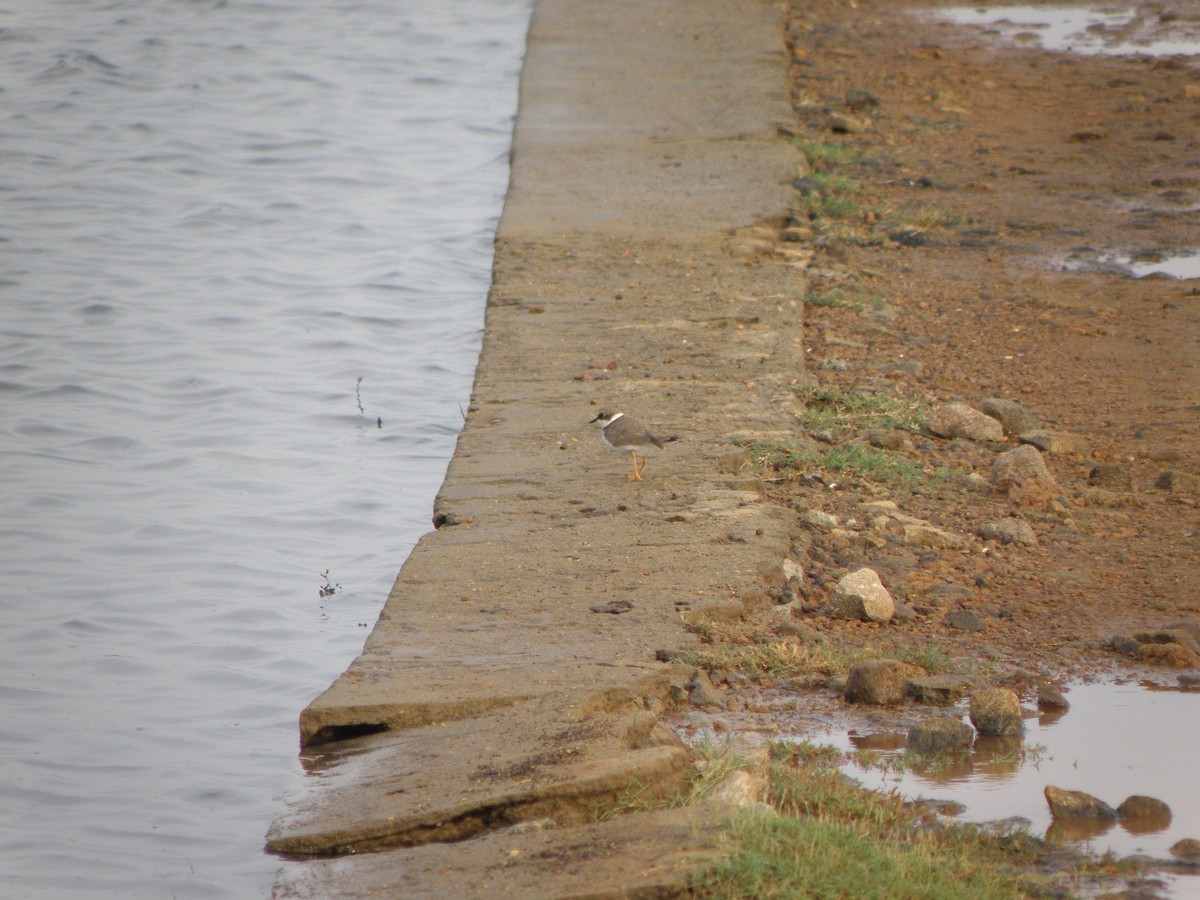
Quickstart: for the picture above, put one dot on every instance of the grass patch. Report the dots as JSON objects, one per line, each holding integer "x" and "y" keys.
{"x": 833, "y": 839}
{"x": 829, "y": 408}
{"x": 869, "y": 464}
{"x": 788, "y": 659}
{"x": 824, "y": 154}
{"x": 839, "y": 298}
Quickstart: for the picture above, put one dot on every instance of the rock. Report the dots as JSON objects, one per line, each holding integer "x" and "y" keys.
{"x": 1188, "y": 848}
{"x": 880, "y": 682}
{"x": 1174, "y": 656}
{"x": 792, "y": 569}
{"x": 932, "y": 537}
{"x": 1149, "y": 810}
{"x": 702, "y": 693}
{"x": 1076, "y": 805}
{"x": 1189, "y": 681}
{"x": 941, "y": 807}
{"x": 903, "y": 612}
{"x": 1175, "y": 634}
{"x": 936, "y": 690}
{"x": 858, "y": 99}
{"x": 1111, "y": 477}
{"x": 1010, "y": 530}
{"x": 1050, "y": 696}
{"x": 1178, "y": 483}
{"x": 888, "y": 439}
{"x": 958, "y": 420}
{"x": 1022, "y": 474}
{"x": 945, "y": 594}
{"x": 1056, "y": 442}
{"x": 1013, "y": 417}
{"x": 964, "y": 620}
{"x": 940, "y": 734}
{"x": 861, "y": 595}
{"x": 739, "y": 788}
{"x": 804, "y": 633}
{"x": 843, "y": 124}
{"x": 818, "y": 520}
{"x": 997, "y": 711}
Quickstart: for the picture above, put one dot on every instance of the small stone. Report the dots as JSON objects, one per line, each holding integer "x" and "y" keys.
{"x": 1056, "y": 442}
{"x": 1189, "y": 681}
{"x": 880, "y": 682}
{"x": 1174, "y": 656}
{"x": 1076, "y": 805}
{"x": 701, "y": 692}
{"x": 1021, "y": 474}
{"x": 1013, "y": 417}
{"x": 888, "y": 439}
{"x": 1111, "y": 477}
{"x": 1178, "y": 483}
{"x": 1188, "y": 848}
{"x": 1010, "y": 530}
{"x": 997, "y": 711}
{"x": 792, "y": 569}
{"x": 819, "y": 520}
{"x": 932, "y": 537}
{"x": 861, "y": 595}
{"x": 940, "y": 734}
{"x": 843, "y": 124}
{"x": 959, "y": 420}
{"x": 1050, "y": 696}
{"x": 739, "y": 788}
{"x": 964, "y": 620}
{"x": 857, "y": 98}
{"x": 1145, "y": 808}
{"x": 936, "y": 690}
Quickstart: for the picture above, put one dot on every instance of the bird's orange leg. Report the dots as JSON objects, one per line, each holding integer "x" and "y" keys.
{"x": 637, "y": 470}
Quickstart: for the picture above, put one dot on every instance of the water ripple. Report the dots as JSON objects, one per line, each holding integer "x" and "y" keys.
{"x": 237, "y": 237}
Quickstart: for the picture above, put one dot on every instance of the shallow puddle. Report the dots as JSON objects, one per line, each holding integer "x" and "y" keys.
{"x": 1115, "y": 741}
{"x": 1087, "y": 30}
{"x": 1181, "y": 265}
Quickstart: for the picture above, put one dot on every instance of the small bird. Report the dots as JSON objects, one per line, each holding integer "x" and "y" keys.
{"x": 622, "y": 433}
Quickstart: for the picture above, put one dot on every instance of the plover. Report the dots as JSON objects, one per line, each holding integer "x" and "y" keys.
{"x": 623, "y": 433}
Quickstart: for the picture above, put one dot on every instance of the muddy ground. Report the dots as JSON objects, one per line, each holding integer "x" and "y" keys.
{"x": 984, "y": 169}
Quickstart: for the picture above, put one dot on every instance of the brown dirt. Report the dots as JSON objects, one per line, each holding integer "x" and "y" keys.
{"x": 998, "y": 162}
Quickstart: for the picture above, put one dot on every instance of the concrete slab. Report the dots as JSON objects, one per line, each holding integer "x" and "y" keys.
{"x": 646, "y": 137}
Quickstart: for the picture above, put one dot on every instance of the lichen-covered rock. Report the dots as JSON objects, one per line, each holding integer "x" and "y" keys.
{"x": 1076, "y": 805}
{"x": 880, "y": 682}
{"x": 861, "y": 595}
{"x": 996, "y": 711}
{"x": 940, "y": 734}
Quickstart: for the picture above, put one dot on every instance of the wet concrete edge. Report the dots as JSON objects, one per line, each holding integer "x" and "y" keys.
{"x": 637, "y": 265}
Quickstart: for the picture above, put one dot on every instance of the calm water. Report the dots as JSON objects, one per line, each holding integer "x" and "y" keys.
{"x": 244, "y": 248}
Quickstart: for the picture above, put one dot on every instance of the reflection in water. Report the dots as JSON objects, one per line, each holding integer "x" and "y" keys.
{"x": 1117, "y": 740}
{"x": 1178, "y": 265}
{"x": 1116, "y": 31}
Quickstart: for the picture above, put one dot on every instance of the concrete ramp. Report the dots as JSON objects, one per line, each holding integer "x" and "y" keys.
{"x": 515, "y": 674}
